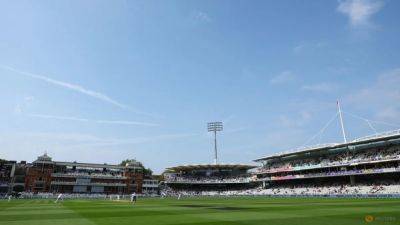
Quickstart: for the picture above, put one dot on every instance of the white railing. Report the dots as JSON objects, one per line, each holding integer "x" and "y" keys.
{"x": 301, "y": 149}
{"x": 378, "y": 135}
{"x": 330, "y": 164}
{"x": 150, "y": 185}
{"x": 88, "y": 184}
{"x": 208, "y": 181}
{"x": 106, "y": 176}
{"x": 318, "y": 146}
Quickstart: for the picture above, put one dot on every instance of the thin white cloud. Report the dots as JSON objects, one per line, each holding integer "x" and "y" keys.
{"x": 202, "y": 17}
{"x": 60, "y": 137}
{"x": 284, "y": 77}
{"x": 309, "y": 46}
{"x": 79, "y": 89}
{"x": 78, "y": 140}
{"x": 29, "y": 98}
{"x": 20, "y": 107}
{"x": 77, "y": 119}
{"x": 124, "y": 122}
{"x": 321, "y": 87}
{"x": 359, "y": 11}
{"x": 228, "y": 119}
{"x": 70, "y": 86}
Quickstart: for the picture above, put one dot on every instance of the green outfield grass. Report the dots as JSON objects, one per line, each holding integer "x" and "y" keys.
{"x": 197, "y": 211}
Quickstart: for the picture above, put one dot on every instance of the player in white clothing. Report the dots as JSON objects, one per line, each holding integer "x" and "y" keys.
{"x": 59, "y": 197}
{"x": 133, "y": 198}
{"x": 163, "y": 195}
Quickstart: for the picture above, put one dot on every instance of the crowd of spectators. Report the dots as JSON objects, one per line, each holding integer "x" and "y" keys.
{"x": 329, "y": 189}
{"x": 301, "y": 190}
{"x": 89, "y": 174}
{"x": 207, "y": 179}
{"x": 335, "y": 173}
{"x": 342, "y": 159}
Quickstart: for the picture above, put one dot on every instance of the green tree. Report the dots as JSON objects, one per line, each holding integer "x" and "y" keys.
{"x": 130, "y": 161}
{"x": 147, "y": 171}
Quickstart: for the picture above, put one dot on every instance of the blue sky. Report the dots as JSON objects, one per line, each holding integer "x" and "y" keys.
{"x": 101, "y": 81}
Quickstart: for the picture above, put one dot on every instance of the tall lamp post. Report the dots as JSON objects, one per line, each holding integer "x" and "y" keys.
{"x": 215, "y": 127}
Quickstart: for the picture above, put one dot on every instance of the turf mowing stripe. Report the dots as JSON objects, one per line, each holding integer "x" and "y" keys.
{"x": 198, "y": 211}
{"x": 18, "y": 215}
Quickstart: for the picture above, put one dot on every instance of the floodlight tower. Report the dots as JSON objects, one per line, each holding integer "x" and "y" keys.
{"x": 214, "y": 127}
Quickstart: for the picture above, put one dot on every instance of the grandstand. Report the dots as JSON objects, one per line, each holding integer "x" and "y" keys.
{"x": 6, "y": 174}
{"x": 196, "y": 179}
{"x": 150, "y": 185}
{"x": 364, "y": 166}
{"x": 211, "y": 177}
{"x": 12, "y": 177}
{"x": 45, "y": 175}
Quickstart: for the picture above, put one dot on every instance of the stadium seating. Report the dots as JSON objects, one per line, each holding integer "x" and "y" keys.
{"x": 192, "y": 179}
{"x": 341, "y": 159}
{"x": 329, "y": 190}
